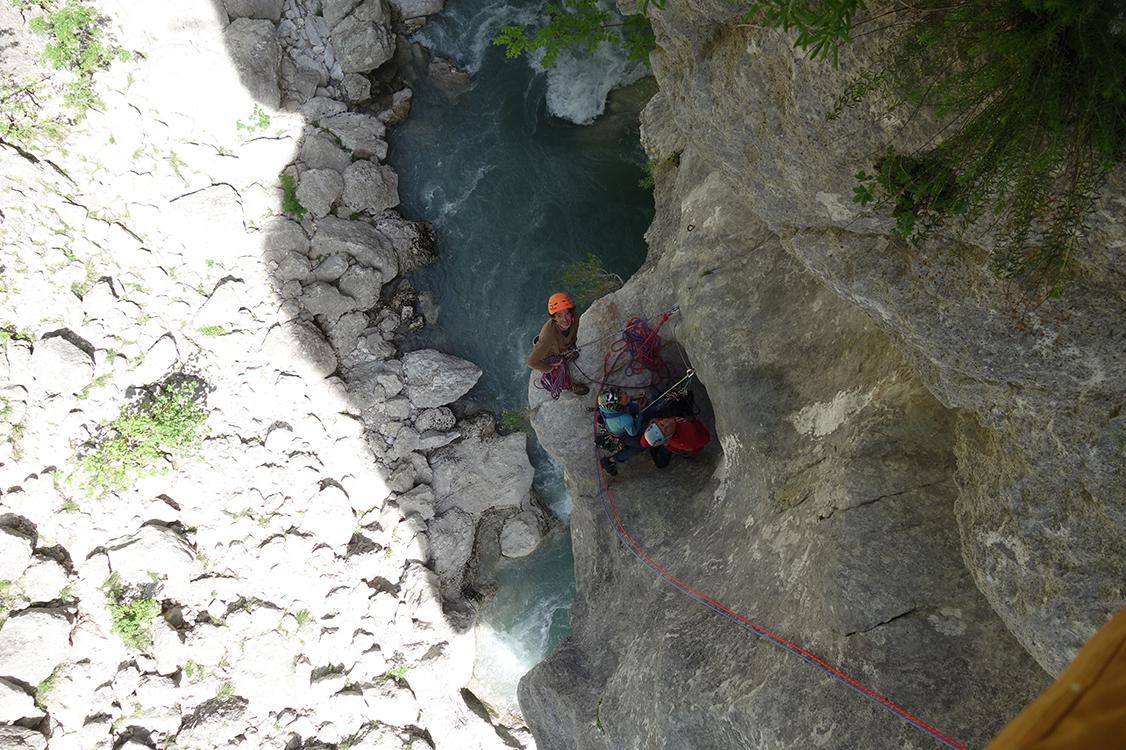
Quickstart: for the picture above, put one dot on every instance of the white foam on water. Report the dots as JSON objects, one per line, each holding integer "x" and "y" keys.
{"x": 577, "y": 85}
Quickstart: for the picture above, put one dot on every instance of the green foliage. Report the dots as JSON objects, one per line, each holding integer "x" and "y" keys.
{"x": 258, "y": 121}
{"x": 132, "y": 614}
{"x": 22, "y": 121}
{"x": 290, "y": 205}
{"x": 513, "y": 420}
{"x": 226, "y": 691}
{"x": 75, "y": 42}
{"x": 167, "y": 422}
{"x": 588, "y": 279}
{"x": 212, "y": 330}
{"x": 303, "y": 617}
{"x": 193, "y": 671}
{"x": 581, "y": 24}
{"x": 398, "y": 673}
{"x": 44, "y": 688}
{"x": 1032, "y": 99}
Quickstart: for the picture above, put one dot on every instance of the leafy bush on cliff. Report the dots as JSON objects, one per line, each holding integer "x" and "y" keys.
{"x": 579, "y": 23}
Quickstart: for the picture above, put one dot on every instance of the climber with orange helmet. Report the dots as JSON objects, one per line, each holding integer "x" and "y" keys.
{"x": 555, "y": 346}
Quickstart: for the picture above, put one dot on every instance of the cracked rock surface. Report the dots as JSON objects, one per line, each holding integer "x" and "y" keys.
{"x": 283, "y": 569}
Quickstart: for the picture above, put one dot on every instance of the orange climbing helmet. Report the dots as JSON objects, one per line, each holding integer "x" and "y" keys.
{"x": 559, "y": 301}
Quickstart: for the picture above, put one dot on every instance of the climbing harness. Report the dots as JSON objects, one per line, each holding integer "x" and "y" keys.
{"x": 642, "y": 345}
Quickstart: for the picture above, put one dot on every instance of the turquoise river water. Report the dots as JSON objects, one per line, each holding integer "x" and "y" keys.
{"x": 521, "y": 174}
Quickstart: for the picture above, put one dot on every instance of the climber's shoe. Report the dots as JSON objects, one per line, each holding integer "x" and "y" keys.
{"x": 610, "y": 467}
{"x": 580, "y": 389}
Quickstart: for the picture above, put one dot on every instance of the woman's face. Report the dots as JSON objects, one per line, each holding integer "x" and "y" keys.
{"x": 563, "y": 319}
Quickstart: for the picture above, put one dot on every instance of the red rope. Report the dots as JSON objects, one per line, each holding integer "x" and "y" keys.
{"x": 651, "y": 355}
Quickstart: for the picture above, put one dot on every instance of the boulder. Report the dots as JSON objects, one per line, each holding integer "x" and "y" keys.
{"x": 208, "y": 218}
{"x": 413, "y": 242}
{"x": 153, "y": 550}
{"x": 326, "y": 301}
{"x": 399, "y": 108}
{"x": 436, "y": 379}
{"x": 158, "y": 361}
{"x": 320, "y": 150}
{"x": 318, "y": 190}
{"x": 44, "y": 580}
{"x": 19, "y": 738}
{"x": 330, "y": 518}
{"x": 417, "y": 8}
{"x": 61, "y": 366}
{"x": 370, "y": 187}
{"x": 300, "y": 346}
{"x": 254, "y": 50}
{"x": 15, "y": 552}
{"x": 481, "y": 473}
{"x": 357, "y": 88}
{"x": 334, "y": 11}
{"x": 363, "y": 41}
{"x": 269, "y": 10}
{"x": 363, "y": 242}
{"x": 440, "y": 419}
{"x": 15, "y": 704}
{"x": 32, "y": 643}
{"x": 213, "y": 724}
{"x": 520, "y": 534}
{"x": 359, "y": 133}
{"x": 363, "y": 285}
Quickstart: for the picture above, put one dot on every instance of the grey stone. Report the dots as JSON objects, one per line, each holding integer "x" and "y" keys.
{"x": 318, "y": 189}
{"x": 15, "y": 704}
{"x": 448, "y": 77}
{"x": 44, "y": 580}
{"x": 359, "y": 133}
{"x": 32, "y": 643}
{"x": 413, "y": 242}
{"x": 20, "y": 738}
{"x": 213, "y": 724}
{"x": 326, "y": 300}
{"x": 284, "y": 236}
{"x": 321, "y": 151}
{"x": 334, "y": 11}
{"x": 161, "y": 357}
{"x": 399, "y": 108}
{"x": 437, "y": 379}
{"x": 363, "y": 242}
{"x": 417, "y": 8}
{"x": 265, "y": 9}
{"x": 482, "y": 473}
{"x": 319, "y": 108}
{"x": 153, "y": 549}
{"x": 15, "y": 552}
{"x": 331, "y": 268}
{"x": 254, "y": 50}
{"x": 520, "y": 534}
{"x": 344, "y": 334}
{"x": 370, "y": 187}
{"x": 419, "y": 500}
{"x": 61, "y": 365}
{"x": 440, "y": 419}
{"x": 357, "y": 88}
{"x": 451, "y": 545}
{"x": 362, "y": 284}
{"x": 363, "y": 40}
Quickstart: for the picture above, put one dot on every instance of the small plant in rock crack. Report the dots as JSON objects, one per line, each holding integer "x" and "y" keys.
{"x": 588, "y": 279}
{"x": 132, "y": 612}
{"x": 398, "y": 673}
{"x": 257, "y": 122}
{"x": 167, "y": 422}
{"x": 290, "y": 205}
{"x": 513, "y": 420}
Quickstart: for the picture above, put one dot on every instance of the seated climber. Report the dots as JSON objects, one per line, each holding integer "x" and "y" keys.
{"x": 668, "y": 436}
{"x": 620, "y": 413}
{"x": 555, "y": 347}
{"x": 621, "y": 416}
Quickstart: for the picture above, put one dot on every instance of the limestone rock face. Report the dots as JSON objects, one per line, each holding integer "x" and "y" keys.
{"x": 61, "y": 366}
{"x": 370, "y": 187}
{"x": 256, "y": 55}
{"x": 436, "y": 379}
